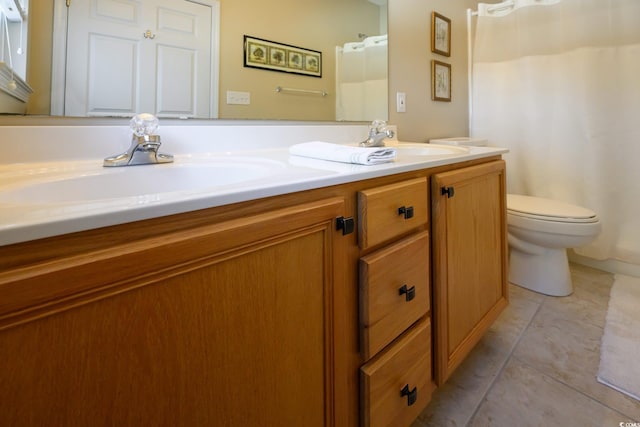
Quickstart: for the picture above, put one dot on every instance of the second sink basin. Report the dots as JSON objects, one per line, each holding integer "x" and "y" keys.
{"x": 432, "y": 150}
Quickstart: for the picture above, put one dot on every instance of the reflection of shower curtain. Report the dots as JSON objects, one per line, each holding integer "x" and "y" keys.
{"x": 361, "y": 80}
{"x": 558, "y": 85}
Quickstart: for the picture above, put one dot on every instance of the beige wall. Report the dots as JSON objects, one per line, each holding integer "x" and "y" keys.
{"x": 410, "y": 69}
{"x": 39, "y": 52}
{"x": 313, "y": 24}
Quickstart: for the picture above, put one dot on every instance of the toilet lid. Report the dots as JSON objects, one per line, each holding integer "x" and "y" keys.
{"x": 548, "y": 209}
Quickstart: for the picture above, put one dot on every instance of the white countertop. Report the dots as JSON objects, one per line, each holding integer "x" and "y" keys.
{"x": 252, "y": 160}
{"x": 27, "y": 215}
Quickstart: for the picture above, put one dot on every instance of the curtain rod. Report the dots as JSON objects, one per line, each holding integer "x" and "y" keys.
{"x": 511, "y": 4}
{"x": 496, "y": 8}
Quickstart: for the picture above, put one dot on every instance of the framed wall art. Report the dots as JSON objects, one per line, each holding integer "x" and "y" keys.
{"x": 440, "y": 34}
{"x": 268, "y": 55}
{"x": 440, "y": 81}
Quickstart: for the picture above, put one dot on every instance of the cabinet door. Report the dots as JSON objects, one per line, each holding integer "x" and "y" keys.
{"x": 229, "y": 325}
{"x": 470, "y": 259}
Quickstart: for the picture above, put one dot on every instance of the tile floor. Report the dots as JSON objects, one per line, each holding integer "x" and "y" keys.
{"x": 537, "y": 366}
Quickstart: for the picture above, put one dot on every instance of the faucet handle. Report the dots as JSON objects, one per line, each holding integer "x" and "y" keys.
{"x": 144, "y": 124}
{"x": 378, "y": 126}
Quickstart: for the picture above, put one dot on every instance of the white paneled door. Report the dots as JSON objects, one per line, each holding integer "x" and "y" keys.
{"x": 125, "y": 57}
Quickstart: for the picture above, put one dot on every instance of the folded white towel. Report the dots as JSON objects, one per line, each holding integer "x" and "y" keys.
{"x": 344, "y": 153}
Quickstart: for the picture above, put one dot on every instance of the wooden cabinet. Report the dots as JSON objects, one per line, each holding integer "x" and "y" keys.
{"x": 232, "y": 323}
{"x": 396, "y": 380}
{"x": 469, "y": 259}
{"x": 261, "y": 312}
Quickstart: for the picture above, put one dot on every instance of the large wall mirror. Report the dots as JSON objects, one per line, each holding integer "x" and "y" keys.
{"x": 185, "y": 58}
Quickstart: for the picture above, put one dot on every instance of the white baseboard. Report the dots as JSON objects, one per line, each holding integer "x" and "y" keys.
{"x": 610, "y": 265}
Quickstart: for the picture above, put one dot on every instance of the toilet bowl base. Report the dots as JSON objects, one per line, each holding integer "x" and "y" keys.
{"x": 547, "y": 272}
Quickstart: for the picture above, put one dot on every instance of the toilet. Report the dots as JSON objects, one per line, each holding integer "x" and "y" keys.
{"x": 539, "y": 232}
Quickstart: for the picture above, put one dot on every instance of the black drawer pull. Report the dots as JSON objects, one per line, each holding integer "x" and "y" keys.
{"x": 406, "y": 211}
{"x": 409, "y": 293}
{"x": 347, "y": 225}
{"x": 449, "y": 191}
{"x": 412, "y": 395}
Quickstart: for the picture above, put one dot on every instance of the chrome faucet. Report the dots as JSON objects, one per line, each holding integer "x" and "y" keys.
{"x": 144, "y": 144}
{"x": 377, "y": 133}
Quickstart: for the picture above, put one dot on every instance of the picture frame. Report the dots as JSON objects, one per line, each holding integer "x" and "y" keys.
{"x": 440, "y": 81}
{"x": 286, "y": 58}
{"x": 440, "y": 34}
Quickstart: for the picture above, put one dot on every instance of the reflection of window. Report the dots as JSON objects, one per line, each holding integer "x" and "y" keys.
{"x": 13, "y": 61}
{"x": 13, "y": 35}
{"x": 14, "y": 10}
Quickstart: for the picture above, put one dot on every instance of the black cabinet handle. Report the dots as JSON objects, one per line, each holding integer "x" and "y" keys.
{"x": 407, "y": 211}
{"x": 409, "y": 293}
{"x": 412, "y": 395}
{"x": 449, "y": 191}
{"x": 347, "y": 225}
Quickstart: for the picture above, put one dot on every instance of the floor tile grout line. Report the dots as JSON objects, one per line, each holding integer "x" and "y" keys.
{"x": 530, "y": 309}
{"x": 559, "y": 381}
{"x": 554, "y": 378}
{"x": 506, "y": 361}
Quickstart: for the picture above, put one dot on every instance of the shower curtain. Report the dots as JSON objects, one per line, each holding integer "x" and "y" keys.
{"x": 361, "y": 80}
{"x": 558, "y": 84}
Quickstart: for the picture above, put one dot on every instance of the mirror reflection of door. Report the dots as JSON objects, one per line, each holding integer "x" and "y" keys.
{"x": 127, "y": 57}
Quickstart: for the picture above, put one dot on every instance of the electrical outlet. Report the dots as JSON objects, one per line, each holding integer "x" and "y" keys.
{"x": 241, "y": 98}
{"x": 401, "y": 102}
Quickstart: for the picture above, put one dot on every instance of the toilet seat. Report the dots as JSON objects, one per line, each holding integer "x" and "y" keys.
{"x": 541, "y": 209}
{"x": 539, "y": 232}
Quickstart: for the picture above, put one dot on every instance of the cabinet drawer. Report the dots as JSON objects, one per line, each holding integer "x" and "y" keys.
{"x": 406, "y": 365}
{"x": 394, "y": 291}
{"x": 391, "y": 210}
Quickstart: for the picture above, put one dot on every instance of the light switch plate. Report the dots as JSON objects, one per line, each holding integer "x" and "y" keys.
{"x": 401, "y": 102}
{"x": 241, "y": 98}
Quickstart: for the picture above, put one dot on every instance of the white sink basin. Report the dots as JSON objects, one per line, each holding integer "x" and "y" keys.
{"x": 432, "y": 150}
{"x": 82, "y": 182}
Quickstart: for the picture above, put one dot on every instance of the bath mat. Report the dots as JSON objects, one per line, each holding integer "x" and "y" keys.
{"x": 620, "y": 349}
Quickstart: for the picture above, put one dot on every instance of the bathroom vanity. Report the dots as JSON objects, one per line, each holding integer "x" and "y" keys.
{"x": 344, "y": 302}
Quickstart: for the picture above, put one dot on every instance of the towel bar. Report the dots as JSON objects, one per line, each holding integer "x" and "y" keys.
{"x": 302, "y": 91}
